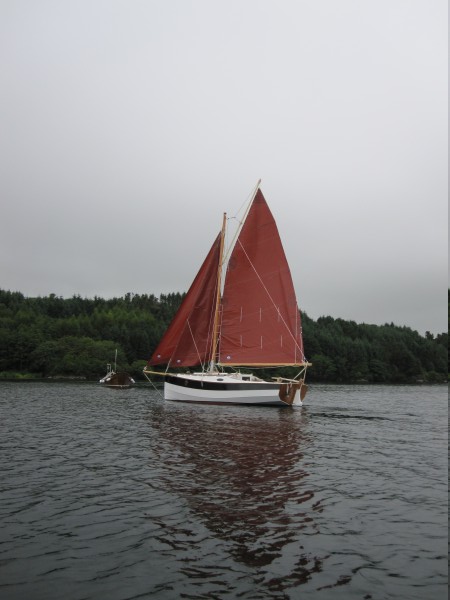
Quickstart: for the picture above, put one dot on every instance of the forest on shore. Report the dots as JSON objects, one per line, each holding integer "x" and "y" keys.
{"x": 76, "y": 337}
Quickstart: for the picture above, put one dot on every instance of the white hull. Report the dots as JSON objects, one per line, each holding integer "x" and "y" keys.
{"x": 223, "y": 389}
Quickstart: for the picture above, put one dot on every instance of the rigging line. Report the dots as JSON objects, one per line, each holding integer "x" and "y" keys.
{"x": 270, "y": 297}
{"x": 153, "y": 385}
{"x": 156, "y": 389}
{"x": 302, "y": 370}
{"x": 241, "y": 222}
{"x": 193, "y": 339}
{"x": 246, "y": 201}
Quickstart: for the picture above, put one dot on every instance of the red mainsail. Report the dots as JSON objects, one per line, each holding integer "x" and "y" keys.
{"x": 187, "y": 341}
{"x": 260, "y": 318}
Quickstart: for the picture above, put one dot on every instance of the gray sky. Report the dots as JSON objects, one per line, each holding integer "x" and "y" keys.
{"x": 127, "y": 127}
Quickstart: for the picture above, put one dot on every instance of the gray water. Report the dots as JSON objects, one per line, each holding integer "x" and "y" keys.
{"x": 116, "y": 495}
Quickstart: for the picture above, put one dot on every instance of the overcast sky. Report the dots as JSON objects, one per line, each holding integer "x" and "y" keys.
{"x": 127, "y": 127}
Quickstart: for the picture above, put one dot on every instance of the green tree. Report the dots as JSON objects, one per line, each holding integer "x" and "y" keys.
{"x": 323, "y": 368}
{"x": 39, "y": 335}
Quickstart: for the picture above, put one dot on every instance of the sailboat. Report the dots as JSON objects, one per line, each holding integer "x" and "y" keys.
{"x": 116, "y": 379}
{"x": 252, "y": 321}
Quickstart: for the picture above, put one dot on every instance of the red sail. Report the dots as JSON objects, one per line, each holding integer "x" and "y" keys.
{"x": 187, "y": 341}
{"x": 260, "y": 317}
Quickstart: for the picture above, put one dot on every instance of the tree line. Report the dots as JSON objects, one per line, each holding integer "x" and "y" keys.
{"x": 53, "y": 336}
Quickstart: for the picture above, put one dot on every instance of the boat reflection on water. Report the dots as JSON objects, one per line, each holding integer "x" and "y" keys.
{"x": 242, "y": 475}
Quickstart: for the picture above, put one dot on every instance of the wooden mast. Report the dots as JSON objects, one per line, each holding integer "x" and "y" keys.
{"x": 222, "y": 259}
{"x": 212, "y": 362}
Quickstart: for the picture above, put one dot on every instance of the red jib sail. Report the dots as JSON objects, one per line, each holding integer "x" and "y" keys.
{"x": 187, "y": 341}
{"x": 260, "y": 317}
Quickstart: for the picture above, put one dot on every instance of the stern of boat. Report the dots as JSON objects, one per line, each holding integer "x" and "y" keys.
{"x": 293, "y": 392}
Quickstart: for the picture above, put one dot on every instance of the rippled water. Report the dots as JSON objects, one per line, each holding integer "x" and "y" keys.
{"x": 116, "y": 495}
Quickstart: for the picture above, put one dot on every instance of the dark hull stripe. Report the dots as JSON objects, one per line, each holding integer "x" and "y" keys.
{"x": 204, "y": 384}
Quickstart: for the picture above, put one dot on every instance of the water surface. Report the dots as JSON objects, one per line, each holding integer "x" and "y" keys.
{"x": 115, "y": 495}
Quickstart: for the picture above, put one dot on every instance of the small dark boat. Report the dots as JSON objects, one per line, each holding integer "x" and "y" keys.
{"x": 114, "y": 379}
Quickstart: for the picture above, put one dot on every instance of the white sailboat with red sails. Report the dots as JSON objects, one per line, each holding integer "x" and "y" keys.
{"x": 248, "y": 321}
